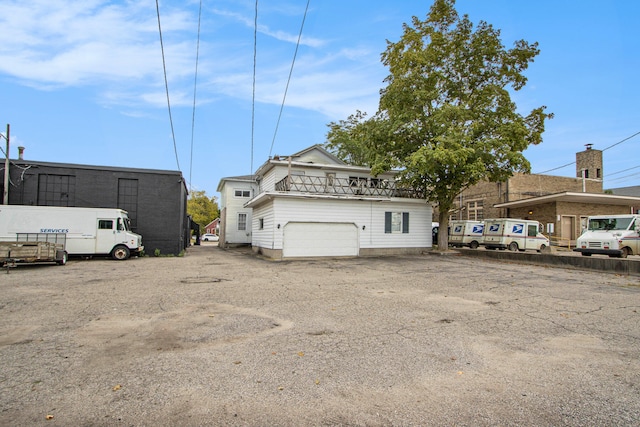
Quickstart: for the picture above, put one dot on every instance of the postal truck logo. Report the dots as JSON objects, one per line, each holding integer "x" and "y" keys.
{"x": 458, "y": 229}
{"x": 494, "y": 227}
{"x": 518, "y": 229}
{"x": 478, "y": 228}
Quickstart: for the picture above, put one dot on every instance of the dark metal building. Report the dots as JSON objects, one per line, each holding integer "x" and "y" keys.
{"x": 156, "y": 200}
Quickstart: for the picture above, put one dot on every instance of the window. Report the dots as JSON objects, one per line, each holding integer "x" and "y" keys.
{"x": 261, "y": 223}
{"x": 475, "y": 210}
{"x": 105, "y": 224}
{"x": 128, "y": 199}
{"x": 56, "y": 190}
{"x": 532, "y": 230}
{"x": 242, "y": 221}
{"x": 243, "y": 193}
{"x": 396, "y": 222}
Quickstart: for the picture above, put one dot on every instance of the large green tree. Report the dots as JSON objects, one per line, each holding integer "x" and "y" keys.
{"x": 203, "y": 209}
{"x": 446, "y": 119}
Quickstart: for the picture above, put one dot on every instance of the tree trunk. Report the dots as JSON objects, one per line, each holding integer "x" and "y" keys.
{"x": 443, "y": 232}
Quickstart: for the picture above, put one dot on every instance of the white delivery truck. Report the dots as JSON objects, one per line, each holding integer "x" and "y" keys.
{"x": 513, "y": 234}
{"x": 466, "y": 233}
{"x": 87, "y": 231}
{"x": 613, "y": 235}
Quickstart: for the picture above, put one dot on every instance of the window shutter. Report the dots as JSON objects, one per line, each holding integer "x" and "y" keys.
{"x": 387, "y": 222}
{"x": 405, "y": 222}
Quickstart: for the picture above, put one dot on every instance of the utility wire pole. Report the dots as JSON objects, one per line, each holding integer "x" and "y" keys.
{"x": 5, "y": 199}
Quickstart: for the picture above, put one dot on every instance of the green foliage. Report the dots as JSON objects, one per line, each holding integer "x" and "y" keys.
{"x": 202, "y": 209}
{"x": 446, "y": 119}
{"x": 156, "y": 252}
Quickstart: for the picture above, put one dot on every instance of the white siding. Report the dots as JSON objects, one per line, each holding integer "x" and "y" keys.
{"x": 263, "y": 238}
{"x": 362, "y": 213}
{"x": 268, "y": 181}
{"x": 235, "y": 206}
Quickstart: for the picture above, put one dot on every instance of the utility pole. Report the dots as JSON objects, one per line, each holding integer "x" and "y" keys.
{"x": 5, "y": 199}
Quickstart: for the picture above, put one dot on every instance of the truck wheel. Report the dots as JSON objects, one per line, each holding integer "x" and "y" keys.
{"x": 513, "y": 246}
{"x": 625, "y": 252}
{"x": 474, "y": 245}
{"x": 62, "y": 257}
{"x": 120, "y": 253}
{"x": 542, "y": 248}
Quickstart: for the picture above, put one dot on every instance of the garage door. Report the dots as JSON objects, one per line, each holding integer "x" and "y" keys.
{"x": 313, "y": 239}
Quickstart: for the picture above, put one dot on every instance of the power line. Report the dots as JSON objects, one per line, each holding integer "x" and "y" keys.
{"x": 289, "y": 79}
{"x": 605, "y": 149}
{"x": 253, "y": 99}
{"x": 620, "y": 142}
{"x": 555, "y": 169}
{"x": 624, "y": 170}
{"x": 195, "y": 85}
{"x": 166, "y": 85}
{"x": 622, "y": 178}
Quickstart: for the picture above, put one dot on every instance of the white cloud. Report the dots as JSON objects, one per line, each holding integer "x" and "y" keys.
{"x": 114, "y": 48}
{"x": 264, "y": 29}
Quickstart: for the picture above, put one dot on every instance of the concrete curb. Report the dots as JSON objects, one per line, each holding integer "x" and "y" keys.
{"x": 607, "y": 265}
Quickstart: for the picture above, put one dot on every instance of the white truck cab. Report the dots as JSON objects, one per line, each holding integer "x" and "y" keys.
{"x": 514, "y": 234}
{"x": 615, "y": 235}
{"x": 86, "y": 231}
{"x": 466, "y": 233}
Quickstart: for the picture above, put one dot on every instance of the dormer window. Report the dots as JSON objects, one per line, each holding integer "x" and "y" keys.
{"x": 243, "y": 193}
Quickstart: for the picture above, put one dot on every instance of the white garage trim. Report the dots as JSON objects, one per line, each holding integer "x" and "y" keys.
{"x": 316, "y": 239}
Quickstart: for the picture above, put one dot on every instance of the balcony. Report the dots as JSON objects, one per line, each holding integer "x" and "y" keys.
{"x": 328, "y": 185}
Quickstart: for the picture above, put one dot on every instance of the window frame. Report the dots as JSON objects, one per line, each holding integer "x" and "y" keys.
{"x": 242, "y": 222}
{"x": 399, "y": 219}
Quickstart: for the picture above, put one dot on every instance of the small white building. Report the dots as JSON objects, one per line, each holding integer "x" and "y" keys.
{"x": 235, "y": 217}
{"x": 312, "y": 204}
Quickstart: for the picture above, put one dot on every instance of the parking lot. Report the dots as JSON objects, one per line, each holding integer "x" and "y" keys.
{"x": 225, "y": 338}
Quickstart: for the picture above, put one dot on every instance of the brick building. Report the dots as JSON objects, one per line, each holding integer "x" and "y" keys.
{"x": 561, "y": 203}
{"x": 156, "y": 200}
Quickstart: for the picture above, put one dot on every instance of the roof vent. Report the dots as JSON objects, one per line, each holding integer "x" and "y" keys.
{"x": 588, "y": 146}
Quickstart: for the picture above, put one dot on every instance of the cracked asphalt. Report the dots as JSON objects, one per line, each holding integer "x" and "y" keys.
{"x": 223, "y": 338}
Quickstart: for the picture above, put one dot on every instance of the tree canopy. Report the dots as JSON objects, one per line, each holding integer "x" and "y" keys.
{"x": 446, "y": 119}
{"x": 203, "y": 209}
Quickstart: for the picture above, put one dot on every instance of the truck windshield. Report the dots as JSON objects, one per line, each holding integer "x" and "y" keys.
{"x": 124, "y": 224}
{"x": 609, "y": 223}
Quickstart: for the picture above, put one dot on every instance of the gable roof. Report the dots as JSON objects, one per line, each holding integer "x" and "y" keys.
{"x": 316, "y": 154}
{"x": 317, "y": 157}
{"x": 241, "y": 178}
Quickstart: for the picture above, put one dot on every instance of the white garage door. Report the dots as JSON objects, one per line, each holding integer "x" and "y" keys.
{"x": 313, "y": 239}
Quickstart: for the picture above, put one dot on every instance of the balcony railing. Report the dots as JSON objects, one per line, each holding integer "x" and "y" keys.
{"x": 371, "y": 187}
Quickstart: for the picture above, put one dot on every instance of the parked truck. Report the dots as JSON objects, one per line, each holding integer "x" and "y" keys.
{"x": 466, "y": 233}
{"x": 87, "y": 231}
{"x": 514, "y": 234}
{"x": 615, "y": 235}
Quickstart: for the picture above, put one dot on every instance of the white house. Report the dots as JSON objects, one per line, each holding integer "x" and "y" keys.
{"x": 235, "y": 217}
{"x": 313, "y": 204}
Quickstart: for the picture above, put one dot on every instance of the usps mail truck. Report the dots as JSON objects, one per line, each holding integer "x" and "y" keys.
{"x": 87, "y": 231}
{"x": 514, "y": 234}
{"x": 466, "y": 233}
{"x": 615, "y": 235}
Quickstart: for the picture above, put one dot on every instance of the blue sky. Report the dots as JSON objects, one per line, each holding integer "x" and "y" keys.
{"x": 82, "y": 81}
